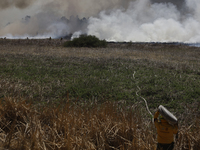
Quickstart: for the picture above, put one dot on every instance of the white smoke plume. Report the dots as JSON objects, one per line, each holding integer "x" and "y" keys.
{"x": 113, "y": 20}
{"x": 149, "y": 22}
{"x": 47, "y": 22}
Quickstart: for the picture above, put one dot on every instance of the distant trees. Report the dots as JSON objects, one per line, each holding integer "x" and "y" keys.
{"x": 86, "y": 41}
{"x": 75, "y": 23}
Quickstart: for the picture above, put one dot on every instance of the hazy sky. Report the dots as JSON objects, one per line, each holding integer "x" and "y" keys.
{"x": 12, "y": 13}
{"x": 12, "y": 10}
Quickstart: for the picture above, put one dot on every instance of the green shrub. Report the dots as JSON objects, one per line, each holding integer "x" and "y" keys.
{"x": 86, "y": 41}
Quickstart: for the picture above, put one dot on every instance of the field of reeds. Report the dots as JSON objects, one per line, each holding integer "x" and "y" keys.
{"x": 52, "y": 97}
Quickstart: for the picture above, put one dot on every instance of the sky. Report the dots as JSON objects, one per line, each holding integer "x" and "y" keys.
{"x": 113, "y": 20}
{"x": 12, "y": 13}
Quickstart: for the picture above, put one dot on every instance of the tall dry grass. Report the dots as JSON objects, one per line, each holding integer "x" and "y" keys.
{"x": 72, "y": 126}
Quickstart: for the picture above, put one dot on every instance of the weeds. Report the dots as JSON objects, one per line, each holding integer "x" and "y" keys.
{"x": 165, "y": 74}
{"x": 50, "y": 78}
{"x": 44, "y": 73}
{"x": 71, "y": 126}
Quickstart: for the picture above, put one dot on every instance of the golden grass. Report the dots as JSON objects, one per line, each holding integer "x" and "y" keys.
{"x": 71, "y": 126}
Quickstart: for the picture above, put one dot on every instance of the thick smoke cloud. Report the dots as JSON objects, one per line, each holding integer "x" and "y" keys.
{"x": 113, "y": 20}
{"x": 84, "y": 8}
{"x": 58, "y": 18}
{"x": 150, "y": 22}
{"x": 15, "y": 3}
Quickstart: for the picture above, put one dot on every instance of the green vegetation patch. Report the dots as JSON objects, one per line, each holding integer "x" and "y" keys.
{"x": 86, "y": 41}
{"x": 53, "y": 78}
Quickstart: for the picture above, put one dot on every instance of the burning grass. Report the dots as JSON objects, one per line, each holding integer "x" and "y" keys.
{"x": 87, "y": 126}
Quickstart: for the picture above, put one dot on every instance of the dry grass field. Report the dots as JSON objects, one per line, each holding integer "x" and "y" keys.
{"x": 56, "y": 98}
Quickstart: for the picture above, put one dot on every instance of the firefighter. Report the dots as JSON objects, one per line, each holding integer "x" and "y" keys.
{"x": 165, "y": 133}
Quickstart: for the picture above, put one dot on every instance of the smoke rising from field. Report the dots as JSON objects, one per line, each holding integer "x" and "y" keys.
{"x": 114, "y": 20}
{"x": 150, "y": 22}
{"x": 58, "y": 18}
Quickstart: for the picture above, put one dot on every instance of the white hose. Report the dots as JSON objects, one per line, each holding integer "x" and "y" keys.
{"x": 144, "y": 101}
{"x": 142, "y": 97}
